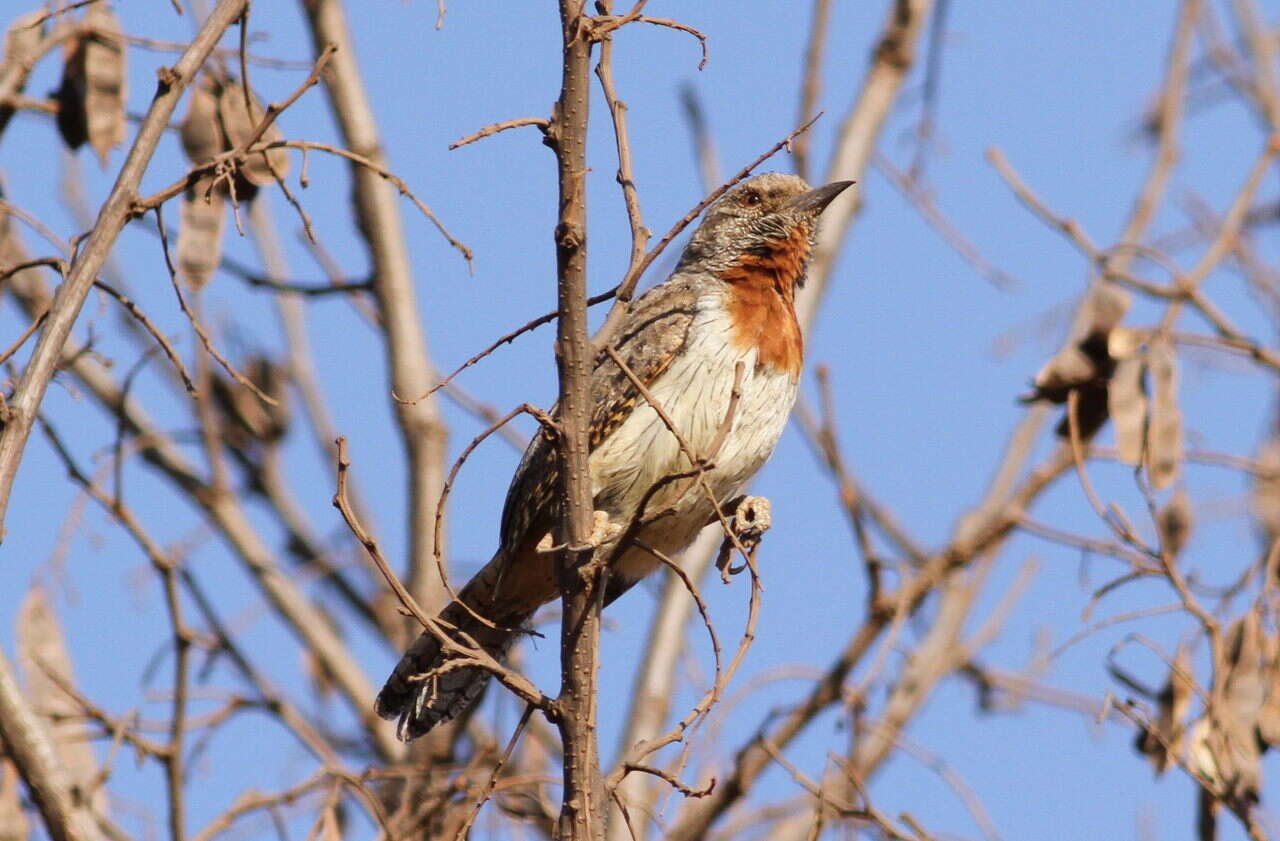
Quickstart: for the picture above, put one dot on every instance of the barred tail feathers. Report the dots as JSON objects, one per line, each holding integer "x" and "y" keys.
{"x": 423, "y": 690}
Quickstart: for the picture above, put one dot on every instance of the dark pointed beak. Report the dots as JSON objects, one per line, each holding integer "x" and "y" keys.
{"x": 816, "y": 200}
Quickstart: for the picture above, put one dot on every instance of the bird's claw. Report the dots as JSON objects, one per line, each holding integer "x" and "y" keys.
{"x": 752, "y": 516}
{"x": 603, "y": 530}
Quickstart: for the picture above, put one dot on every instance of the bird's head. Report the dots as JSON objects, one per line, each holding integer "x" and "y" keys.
{"x": 769, "y": 218}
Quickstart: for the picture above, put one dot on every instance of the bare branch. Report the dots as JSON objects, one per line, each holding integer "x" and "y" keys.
{"x": 27, "y": 745}
{"x": 626, "y": 289}
{"x": 541, "y": 122}
{"x": 421, "y": 428}
{"x": 582, "y": 814}
{"x": 112, "y": 217}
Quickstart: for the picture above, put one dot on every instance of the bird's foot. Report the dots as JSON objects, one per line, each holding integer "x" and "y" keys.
{"x": 603, "y": 530}
{"x": 751, "y": 518}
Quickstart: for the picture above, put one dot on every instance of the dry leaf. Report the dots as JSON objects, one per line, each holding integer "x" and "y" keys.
{"x": 1164, "y": 433}
{"x": 202, "y": 218}
{"x": 1127, "y": 404}
{"x": 218, "y": 121}
{"x": 1105, "y": 308}
{"x": 46, "y": 663}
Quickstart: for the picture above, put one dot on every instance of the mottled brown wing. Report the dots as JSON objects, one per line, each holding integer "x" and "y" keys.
{"x": 652, "y": 335}
{"x": 425, "y": 689}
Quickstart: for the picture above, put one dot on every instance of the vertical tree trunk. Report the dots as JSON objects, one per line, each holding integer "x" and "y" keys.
{"x": 582, "y": 814}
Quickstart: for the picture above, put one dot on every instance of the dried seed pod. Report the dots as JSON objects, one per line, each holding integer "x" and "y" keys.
{"x": 6, "y": 224}
{"x": 1071, "y": 367}
{"x": 106, "y": 80}
{"x": 8, "y": 251}
{"x": 1228, "y": 756}
{"x": 1250, "y": 658}
{"x": 1125, "y": 342}
{"x": 1084, "y": 364}
{"x": 203, "y": 217}
{"x": 1175, "y": 521}
{"x": 250, "y": 419}
{"x": 1201, "y": 757}
{"x": 1269, "y": 715}
{"x": 91, "y": 96}
{"x": 1265, "y": 503}
{"x": 46, "y": 668}
{"x": 1247, "y": 659}
{"x": 72, "y": 121}
{"x": 201, "y": 133}
{"x": 13, "y": 820}
{"x": 22, "y": 39}
{"x": 1127, "y": 405}
{"x": 1164, "y": 432}
{"x": 274, "y": 382}
{"x": 238, "y": 123}
{"x": 1174, "y": 701}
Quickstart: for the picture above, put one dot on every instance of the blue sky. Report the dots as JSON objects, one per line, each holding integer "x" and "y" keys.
{"x": 926, "y": 358}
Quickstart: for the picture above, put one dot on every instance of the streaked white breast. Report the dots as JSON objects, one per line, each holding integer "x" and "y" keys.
{"x": 695, "y": 393}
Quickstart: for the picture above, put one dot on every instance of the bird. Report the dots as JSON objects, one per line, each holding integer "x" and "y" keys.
{"x": 725, "y": 316}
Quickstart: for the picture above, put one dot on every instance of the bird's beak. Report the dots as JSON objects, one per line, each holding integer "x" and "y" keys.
{"x": 816, "y": 200}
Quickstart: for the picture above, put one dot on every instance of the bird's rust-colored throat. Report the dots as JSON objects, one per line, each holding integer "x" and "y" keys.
{"x": 761, "y": 298}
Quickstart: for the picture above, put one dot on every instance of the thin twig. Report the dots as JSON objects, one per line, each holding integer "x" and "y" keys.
{"x": 169, "y": 350}
{"x": 493, "y": 776}
{"x": 545, "y": 318}
{"x": 811, "y": 82}
{"x": 624, "y": 291}
{"x": 548, "y": 424}
{"x": 180, "y": 186}
{"x": 513, "y": 680}
{"x": 195, "y": 321}
{"x": 85, "y": 267}
{"x": 622, "y": 140}
{"x": 541, "y": 122}
{"x": 21, "y": 340}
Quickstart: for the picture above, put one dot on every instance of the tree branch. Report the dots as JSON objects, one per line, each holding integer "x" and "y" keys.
{"x": 422, "y": 429}
{"x": 84, "y": 269}
{"x": 28, "y": 747}
{"x": 582, "y": 813}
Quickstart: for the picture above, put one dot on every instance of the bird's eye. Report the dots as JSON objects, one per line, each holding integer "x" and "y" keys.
{"x": 750, "y": 197}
